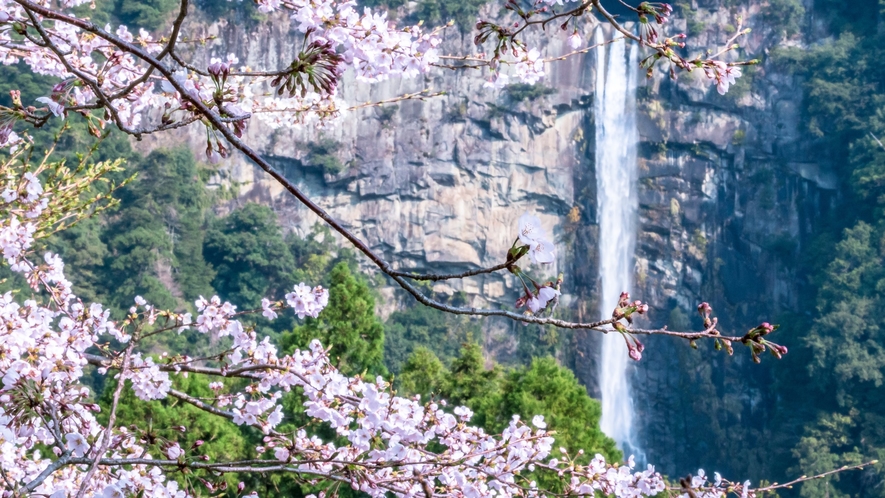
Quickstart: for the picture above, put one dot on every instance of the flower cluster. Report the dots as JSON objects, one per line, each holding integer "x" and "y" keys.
{"x": 306, "y": 301}
{"x": 532, "y": 234}
{"x": 367, "y": 41}
{"x": 213, "y": 314}
{"x": 624, "y": 311}
{"x": 699, "y": 486}
{"x": 722, "y": 75}
{"x": 538, "y": 300}
{"x": 754, "y": 339}
{"x": 337, "y": 36}
{"x": 626, "y": 308}
{"x": 148, "y": 382}
{"x": 113, "y": 75}
{"x": 532, "y": 240}
{"x": 660, "y": 12}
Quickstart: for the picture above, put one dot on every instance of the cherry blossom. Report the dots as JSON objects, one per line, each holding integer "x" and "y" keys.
{"x": 174, "y": 451}
{"x": 267, "y": 309}
{"x": 530, "y": 229}
{"x": 306, "y": 301}
{"x": 575, "y": 41}
{"x": 359, "y": 410}
{"x": 722, "y": 75}
{"x": 529, "y": 67}
{"x": 497, "y": 81}
{"x": 54, "y": 107}
{"x": 542, "y": 251}
{"x": 76, "y": 443}
{"x": 44, "y": 346}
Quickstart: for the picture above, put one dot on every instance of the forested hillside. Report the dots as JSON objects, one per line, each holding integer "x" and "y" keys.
{"x": 831, "y": 392}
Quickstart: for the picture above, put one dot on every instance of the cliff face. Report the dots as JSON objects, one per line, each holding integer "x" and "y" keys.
{"x": 728, "y": 196}
{"x": 431, "y": 185}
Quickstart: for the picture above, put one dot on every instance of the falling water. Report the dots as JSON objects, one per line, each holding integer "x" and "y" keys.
{"x": 616, "y": 139}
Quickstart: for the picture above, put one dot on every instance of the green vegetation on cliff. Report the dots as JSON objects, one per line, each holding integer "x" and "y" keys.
{"x": 832, "y": 382}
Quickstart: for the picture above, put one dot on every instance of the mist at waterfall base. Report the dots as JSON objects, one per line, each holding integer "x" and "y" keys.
{"x": 616, "y": 177}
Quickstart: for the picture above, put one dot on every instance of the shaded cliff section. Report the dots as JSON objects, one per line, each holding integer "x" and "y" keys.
{"x": 730, "y": 191}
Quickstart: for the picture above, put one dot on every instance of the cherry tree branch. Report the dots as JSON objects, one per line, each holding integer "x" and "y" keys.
{"x": 790, "y": 484}
{"x": 112, "y": 420}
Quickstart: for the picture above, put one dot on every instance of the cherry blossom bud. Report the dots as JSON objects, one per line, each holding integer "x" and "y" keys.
{"x": 704, "y": 309}
{"x": 635, "y": 354}
{"x": 219, "y": 69}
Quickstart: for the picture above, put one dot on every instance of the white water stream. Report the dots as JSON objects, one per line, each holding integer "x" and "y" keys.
{"x": 616, "y": 140}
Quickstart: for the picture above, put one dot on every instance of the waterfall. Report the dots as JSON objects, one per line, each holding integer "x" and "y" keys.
{"x": 616, "y": 139}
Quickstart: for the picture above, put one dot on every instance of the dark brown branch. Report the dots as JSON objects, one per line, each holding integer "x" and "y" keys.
{"x": 112, "y": 420}
{"x": 170, "y": 46}
{"x": 434, "y": 277}
{"x": 200, "y": 404}
{"x": 176, "y": 29}
{"x": 545, "y": 21}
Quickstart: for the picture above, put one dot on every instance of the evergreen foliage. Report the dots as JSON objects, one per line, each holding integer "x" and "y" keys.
{"x": 832, "y": 382}
{"x": 463, "y": 12}
{"x": 496, "y": 394}
{"x": 418, "y": 326}
{"x": 547, "y": 388}
{"x": 786, "y": 15}
{"x": 164, "y": 205}
{"x": 521, "y": 92}
{"x": 438, "y": 12}
{"x": 250, "y": 256}
{"x": 322, "y": 154}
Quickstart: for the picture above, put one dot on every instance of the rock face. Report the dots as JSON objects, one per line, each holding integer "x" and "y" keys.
{"x": 728, "y": 196}
{"x": 431, "y": 185}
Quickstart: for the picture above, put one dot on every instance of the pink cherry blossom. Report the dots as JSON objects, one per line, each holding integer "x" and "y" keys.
{"x": 575, "y": 41}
